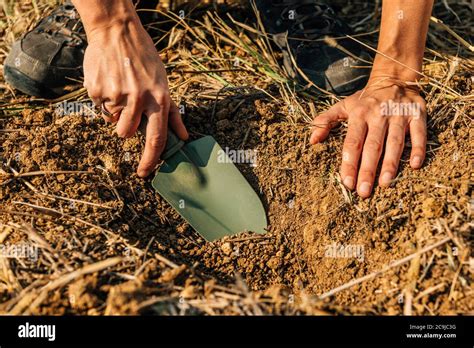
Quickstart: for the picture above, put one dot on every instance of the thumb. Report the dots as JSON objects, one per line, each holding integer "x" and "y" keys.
{"x": 324, "y": 122}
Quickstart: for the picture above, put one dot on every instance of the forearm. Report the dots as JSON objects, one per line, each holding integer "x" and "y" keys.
{"x": 402, "y": 39}
{"x": 103, "y": 14}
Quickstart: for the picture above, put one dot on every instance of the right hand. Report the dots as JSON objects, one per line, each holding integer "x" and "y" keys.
{"x": 123, "y": 71}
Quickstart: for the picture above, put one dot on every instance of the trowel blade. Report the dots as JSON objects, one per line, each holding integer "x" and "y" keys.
{"x": 209, "y": 192}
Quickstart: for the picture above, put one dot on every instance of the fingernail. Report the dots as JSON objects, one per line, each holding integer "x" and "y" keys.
{"x": 386, "y": 178}
{"x": 364, "y": 188}
{"x": 142, "y": 173}
{"x": 345, "y": 156}
{"x": 349, "y": 182}
{"x": 416, "y": 161}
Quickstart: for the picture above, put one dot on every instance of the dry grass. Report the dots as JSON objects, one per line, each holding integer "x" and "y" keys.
{"x": 211, "y": 57}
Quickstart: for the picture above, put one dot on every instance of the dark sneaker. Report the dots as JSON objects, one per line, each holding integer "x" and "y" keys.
{"x": 48, "y": 58}
{"x": 300, "y": 29}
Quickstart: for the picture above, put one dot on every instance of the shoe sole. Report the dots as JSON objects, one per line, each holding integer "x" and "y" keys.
{"x": 27, "y": 85}
{"x": 350, "y": 86}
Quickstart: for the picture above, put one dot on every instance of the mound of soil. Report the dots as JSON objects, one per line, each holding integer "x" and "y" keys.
{"x": 320, "y": 235}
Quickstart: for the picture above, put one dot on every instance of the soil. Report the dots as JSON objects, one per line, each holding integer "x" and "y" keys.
{"x": 101, "y": 210}
{"x": 308, "y": 211}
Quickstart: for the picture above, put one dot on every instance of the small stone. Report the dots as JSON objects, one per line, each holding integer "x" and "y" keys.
{"x": 110, "y": 164}
{"x": 56, "y": 149}
{"x": 226, "y": 248}
{"x": 273, "y": 263}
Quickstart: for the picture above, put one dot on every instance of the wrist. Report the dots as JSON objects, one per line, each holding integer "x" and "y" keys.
{"x": 106, "y": 15}
{"x": 116, "y": 29}
{"x": 388, "y": 79}
{"x": 397, "y": 67}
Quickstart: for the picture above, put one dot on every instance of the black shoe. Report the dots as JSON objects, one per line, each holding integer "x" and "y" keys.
{"x": 299, "y": 29}
{"x": 48, "y": 58}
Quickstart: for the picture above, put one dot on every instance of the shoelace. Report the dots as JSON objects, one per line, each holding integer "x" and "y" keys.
{"x": 69, "y": 25}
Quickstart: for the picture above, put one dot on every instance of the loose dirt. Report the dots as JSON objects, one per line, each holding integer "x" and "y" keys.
{"x": 309, "y": 211}
{"x": 78, "y": 200}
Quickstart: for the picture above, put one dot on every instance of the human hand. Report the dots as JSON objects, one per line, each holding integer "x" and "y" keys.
{"x": 123, "y": 73}
{"x": 373, "y": 120}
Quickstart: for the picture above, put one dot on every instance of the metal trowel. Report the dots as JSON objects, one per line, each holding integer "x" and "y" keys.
{"x": 205, "y": 187}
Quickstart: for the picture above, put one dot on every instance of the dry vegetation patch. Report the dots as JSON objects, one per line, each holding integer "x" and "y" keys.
{"x": 108, "y": 244}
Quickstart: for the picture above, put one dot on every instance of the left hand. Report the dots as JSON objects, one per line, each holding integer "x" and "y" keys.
{"x": 374, "y": 121}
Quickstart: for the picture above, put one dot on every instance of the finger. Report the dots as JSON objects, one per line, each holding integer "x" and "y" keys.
{"x": 95, "y": 95}
{"x": 176, "y": 122}
{"x": 370, "y": 158}
{"x": 356, "y": 130}
{"x": 130, "y": 118}
{"x": 393, "y": 152}
{"x": 111, "y": 119}
{"x": 155, "y": 141}
{"x": 418, "y": 142}
{"x": 323, "y": 123}
{"x": 112, "y": 113}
